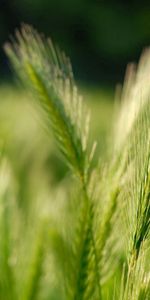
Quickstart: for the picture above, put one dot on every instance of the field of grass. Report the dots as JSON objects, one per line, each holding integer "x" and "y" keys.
{"x": 74, "y": 223}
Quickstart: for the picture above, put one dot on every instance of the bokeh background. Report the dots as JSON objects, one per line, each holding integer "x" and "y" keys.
{"x": 101, "y": 37}
{"x": 37, "y": 192}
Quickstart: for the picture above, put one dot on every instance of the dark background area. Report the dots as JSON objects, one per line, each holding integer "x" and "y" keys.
{"x": 100, "y": 37}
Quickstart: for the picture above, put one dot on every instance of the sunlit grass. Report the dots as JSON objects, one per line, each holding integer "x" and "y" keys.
{"x": 72, "y": 228}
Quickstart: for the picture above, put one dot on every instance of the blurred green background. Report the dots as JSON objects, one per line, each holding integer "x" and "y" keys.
{"x": 101, "y": 37}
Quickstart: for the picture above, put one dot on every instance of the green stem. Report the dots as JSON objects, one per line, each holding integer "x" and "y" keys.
{"x": 87, "y": 233}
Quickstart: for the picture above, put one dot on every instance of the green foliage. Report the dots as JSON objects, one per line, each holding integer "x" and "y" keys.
{"x": 91, "y": 241}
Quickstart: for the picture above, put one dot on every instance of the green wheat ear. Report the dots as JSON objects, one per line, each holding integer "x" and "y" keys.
{"x": 137, "y": 190}
{"x": 48, "y": 72}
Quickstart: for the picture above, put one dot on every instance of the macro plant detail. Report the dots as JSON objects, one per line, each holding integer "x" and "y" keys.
{"x": 105, "y": 252}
